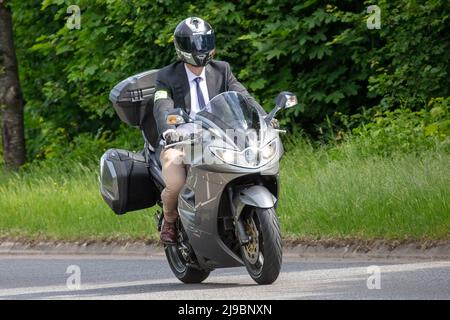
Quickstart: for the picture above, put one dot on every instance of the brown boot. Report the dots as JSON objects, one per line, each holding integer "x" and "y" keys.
{"x": 168, "y": 233}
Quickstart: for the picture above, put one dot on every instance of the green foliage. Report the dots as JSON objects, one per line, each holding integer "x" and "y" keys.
{"x": 1, "y": 151}
{"x": 321, "y": 50}
{"x": 86, "y": 147}
{"x": 411, "y": 64}
{"x": 437, "y": 120}
{"x": 401, "y": 130}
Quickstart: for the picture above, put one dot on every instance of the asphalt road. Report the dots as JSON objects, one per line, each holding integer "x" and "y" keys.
{"x": 46, "y": 277}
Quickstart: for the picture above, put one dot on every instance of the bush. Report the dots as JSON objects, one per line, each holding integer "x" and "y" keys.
{"x": 322, "y": 50}
{"x": 86, "y": 147}
{"x": 401, "y": 130}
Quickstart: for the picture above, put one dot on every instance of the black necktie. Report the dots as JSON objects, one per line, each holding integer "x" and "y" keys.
{"x": 200, "y": 99}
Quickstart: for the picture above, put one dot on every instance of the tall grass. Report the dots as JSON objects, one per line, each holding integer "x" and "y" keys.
{"x": 50, "y": 202}
{"x": 335, "y": 194}
{"x": 325, "y": 193}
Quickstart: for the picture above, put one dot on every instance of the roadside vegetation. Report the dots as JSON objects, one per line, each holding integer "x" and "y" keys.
{"x": 386, "y": 179}
{"x": 368, "y": 149}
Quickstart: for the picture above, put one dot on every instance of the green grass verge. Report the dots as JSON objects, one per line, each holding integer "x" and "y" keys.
{"x": 329, "y": 194}
{"x": 324, "y": 194}
{"x": 54, "y": 204}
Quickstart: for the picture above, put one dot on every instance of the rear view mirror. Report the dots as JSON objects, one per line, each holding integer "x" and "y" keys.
{"x": 176, "y": 117}
{"x": 286, "y": 100}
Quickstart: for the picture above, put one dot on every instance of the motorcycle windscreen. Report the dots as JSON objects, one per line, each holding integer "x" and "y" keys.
{"x": 233, "y": 114}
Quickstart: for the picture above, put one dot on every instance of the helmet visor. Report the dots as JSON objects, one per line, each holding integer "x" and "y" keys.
{"x": 198, "y": 42}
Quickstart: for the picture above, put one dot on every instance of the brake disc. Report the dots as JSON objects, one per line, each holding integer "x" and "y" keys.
{"x": 251, "y": 249}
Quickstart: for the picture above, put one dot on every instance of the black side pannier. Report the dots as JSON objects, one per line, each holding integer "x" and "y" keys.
{"x": 125, "y": 181}
{"x": 132, "y": 99}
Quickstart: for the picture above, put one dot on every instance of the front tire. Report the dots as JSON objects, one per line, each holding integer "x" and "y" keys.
{"x": 263, "y": 255}
{"x": 180, "y": 267}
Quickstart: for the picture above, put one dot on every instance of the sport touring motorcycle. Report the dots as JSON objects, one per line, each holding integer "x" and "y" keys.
{"x": 227, "y": 207}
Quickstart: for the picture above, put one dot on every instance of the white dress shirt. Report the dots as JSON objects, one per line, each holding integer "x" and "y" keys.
{"x": 193, "y": 89}
{"x": 188, "y": 128}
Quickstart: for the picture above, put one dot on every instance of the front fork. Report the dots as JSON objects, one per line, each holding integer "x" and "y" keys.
{"x": 241, "y": 234}
{"x": 257, "y": 196}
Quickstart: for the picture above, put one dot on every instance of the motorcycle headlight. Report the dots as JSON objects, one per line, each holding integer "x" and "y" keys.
{"x": 269, "y": 150}
{"x": 250, "y": 157}
{"x": 226, "y": 155}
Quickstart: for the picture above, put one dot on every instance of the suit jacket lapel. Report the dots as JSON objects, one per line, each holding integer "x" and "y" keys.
{"x": 182, "y": 76}
{"x": 211, "y": 82}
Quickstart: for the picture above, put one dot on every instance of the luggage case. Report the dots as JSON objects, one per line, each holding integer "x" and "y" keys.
{"x": 125, "y": 181}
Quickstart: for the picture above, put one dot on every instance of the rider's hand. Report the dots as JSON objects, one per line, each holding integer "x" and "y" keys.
{"x": 274, "y": 123}
{"x": 171, "y": 136}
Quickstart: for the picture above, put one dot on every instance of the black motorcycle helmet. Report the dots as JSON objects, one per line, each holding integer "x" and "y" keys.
{"x": 194, "y": 41}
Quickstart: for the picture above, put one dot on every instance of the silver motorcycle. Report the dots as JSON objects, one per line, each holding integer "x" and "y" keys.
{"x": 227, "y": 207}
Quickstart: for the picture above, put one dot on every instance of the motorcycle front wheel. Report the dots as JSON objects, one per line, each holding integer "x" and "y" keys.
{"x": 262, "y": 256}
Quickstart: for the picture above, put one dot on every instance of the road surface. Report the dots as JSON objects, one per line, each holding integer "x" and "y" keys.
{"x": 122, "y": 277}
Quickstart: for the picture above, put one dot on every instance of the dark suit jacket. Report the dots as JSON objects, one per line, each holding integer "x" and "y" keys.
{"x": 174, "y": 81}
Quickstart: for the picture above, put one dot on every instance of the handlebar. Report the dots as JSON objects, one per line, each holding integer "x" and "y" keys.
{"x": 189, "y": 141}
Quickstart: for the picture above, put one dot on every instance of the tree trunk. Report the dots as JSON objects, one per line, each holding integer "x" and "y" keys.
{"x": 11, "y": 99}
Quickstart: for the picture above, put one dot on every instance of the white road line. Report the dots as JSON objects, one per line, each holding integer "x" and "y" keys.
{"x": 293, "y": 284}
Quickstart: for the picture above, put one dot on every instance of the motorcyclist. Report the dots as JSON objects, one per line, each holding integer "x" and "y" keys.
{"x": 189, "y": 84}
